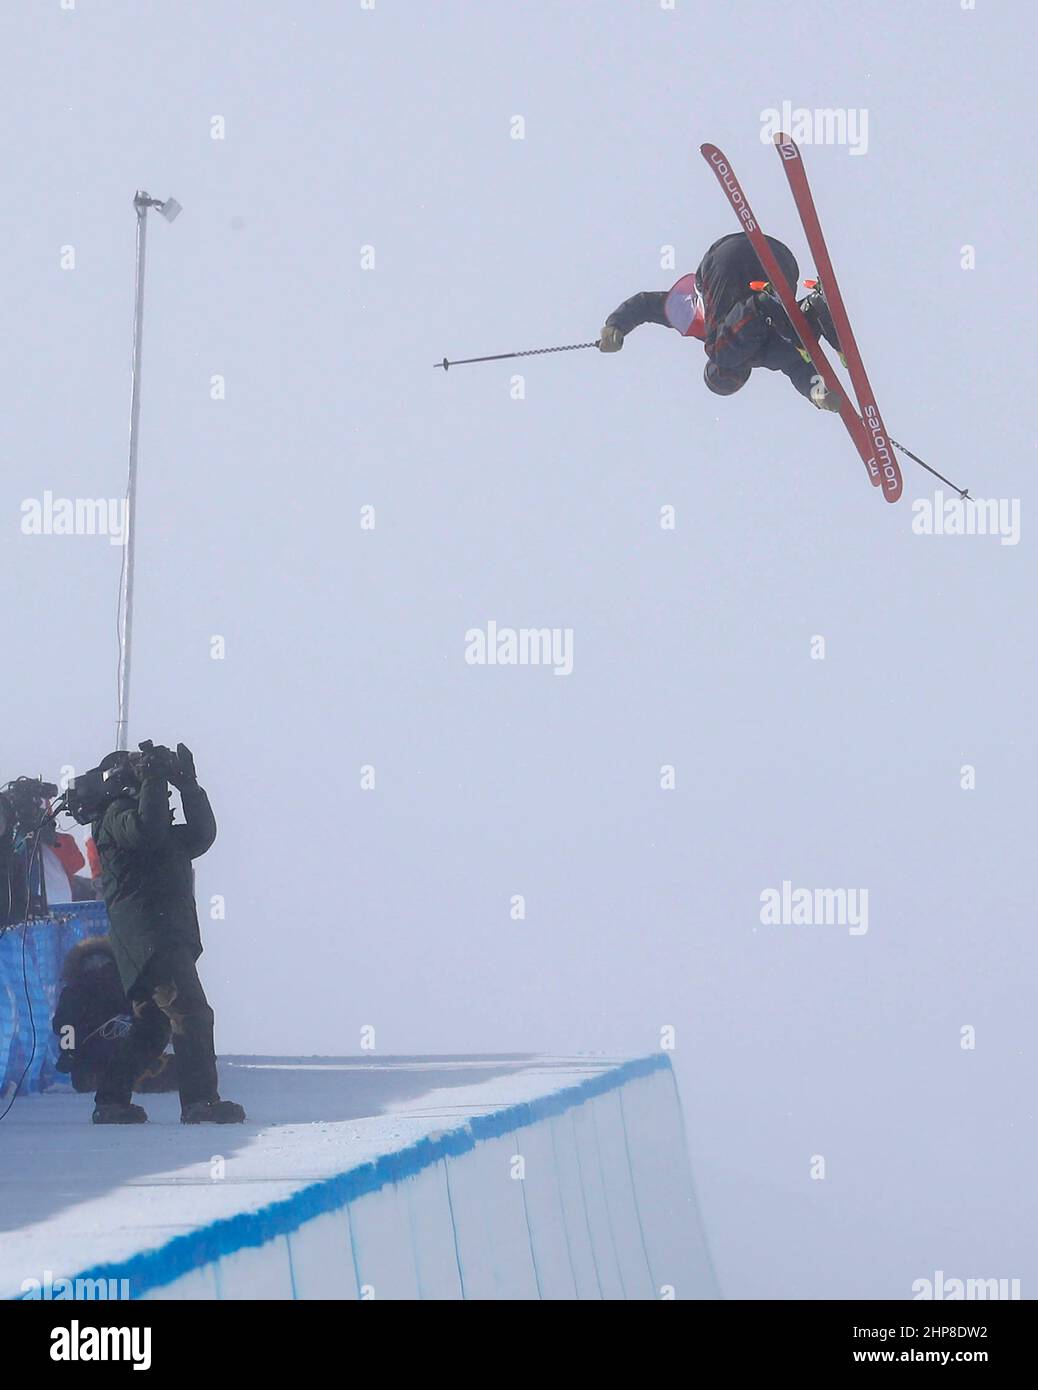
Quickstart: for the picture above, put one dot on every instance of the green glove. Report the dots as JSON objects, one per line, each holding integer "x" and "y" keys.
{"x": 610, "y": 339}
{"x": 826, "y": 400}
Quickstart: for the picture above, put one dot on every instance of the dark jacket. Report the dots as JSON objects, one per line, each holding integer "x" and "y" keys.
{"x": 147, "y": 878}
{"x": 92, "y": 1008}
{"x": 743, "y": 329}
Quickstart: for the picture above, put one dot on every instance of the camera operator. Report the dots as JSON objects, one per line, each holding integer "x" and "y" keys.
{"x": 93, "y": 1014}
{"x": 27, "y": 875}
{"x": 148, "y": 885}
{"x": 9, "y": 876}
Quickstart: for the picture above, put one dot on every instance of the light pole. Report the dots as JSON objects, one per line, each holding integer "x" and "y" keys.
{"x": 169, "y": 210}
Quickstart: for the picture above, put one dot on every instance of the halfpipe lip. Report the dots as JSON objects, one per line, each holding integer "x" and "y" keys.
{"x": 164, "y": 1264}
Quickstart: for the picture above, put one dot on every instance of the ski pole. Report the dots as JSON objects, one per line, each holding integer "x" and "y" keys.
{"x": 963, "y": 492}
{"x": 500, "y": 356}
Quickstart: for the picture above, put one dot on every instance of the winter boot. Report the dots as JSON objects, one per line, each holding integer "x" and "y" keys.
{"x": 116, "y": 1114}
{"x": 214, "y": 1112}
{"x": 816, "y": 311}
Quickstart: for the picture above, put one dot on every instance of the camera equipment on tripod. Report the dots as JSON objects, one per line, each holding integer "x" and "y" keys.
{"x": 23, "y": 802}
{"x": 24, "y": 810}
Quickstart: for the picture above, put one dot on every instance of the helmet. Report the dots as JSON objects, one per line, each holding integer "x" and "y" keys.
{"x": 725, "y": 381}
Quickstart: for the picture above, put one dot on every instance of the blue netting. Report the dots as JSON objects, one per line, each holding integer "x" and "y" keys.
{"x": 46, "y": 942}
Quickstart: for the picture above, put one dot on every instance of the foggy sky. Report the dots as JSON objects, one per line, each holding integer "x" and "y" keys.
{"x": 391, "y": 129}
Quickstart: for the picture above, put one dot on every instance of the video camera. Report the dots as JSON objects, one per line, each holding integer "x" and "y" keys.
{"x": 155, "y": 759}
{"x": 25, "y": 818}
{"x": 119, "y": 774}
{"x": 23, "y": 804}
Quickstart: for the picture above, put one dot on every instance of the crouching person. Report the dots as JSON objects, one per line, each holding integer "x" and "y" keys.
{"x": 148, "y": 886}
{"x": 93, "y": 1015}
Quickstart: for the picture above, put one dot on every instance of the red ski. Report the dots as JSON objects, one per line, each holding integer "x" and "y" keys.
{"x": 879, "y": 439}
{"x": 749, "y": 224}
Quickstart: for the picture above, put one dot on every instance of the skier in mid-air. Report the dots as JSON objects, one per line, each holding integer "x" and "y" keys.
{"x": 728, "y": 304}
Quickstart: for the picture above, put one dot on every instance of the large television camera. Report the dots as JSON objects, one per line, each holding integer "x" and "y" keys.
{"x": 25, "y": 817}
{"x": 119, "y": 774}
{"x": 24, "y": 802}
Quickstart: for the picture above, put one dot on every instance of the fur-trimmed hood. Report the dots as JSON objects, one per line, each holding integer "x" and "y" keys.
{"x": 72, "y": 968}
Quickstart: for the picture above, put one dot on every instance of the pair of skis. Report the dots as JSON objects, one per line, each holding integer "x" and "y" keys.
{"x": 867, "y": 429}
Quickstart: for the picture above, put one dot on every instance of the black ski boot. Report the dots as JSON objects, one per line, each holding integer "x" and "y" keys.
{"x": 816, "y": 311}
{"x": 213, "y": 1112}
{"x": 116, "y": 1114}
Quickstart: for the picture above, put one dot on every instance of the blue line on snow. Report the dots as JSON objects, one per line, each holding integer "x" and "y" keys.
{"x": 151, "y": 1269}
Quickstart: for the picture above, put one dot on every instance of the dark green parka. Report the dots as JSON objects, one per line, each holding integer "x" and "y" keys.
{"x": 147, "y": 878}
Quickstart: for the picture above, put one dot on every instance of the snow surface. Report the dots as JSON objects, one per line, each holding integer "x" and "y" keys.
{"x": 74, "y": 1196}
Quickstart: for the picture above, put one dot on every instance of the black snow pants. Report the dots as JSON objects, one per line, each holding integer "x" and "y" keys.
{"x": 167, "y": 999}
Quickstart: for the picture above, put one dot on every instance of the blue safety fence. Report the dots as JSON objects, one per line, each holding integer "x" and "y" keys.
{"x": 31, "y": 956}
